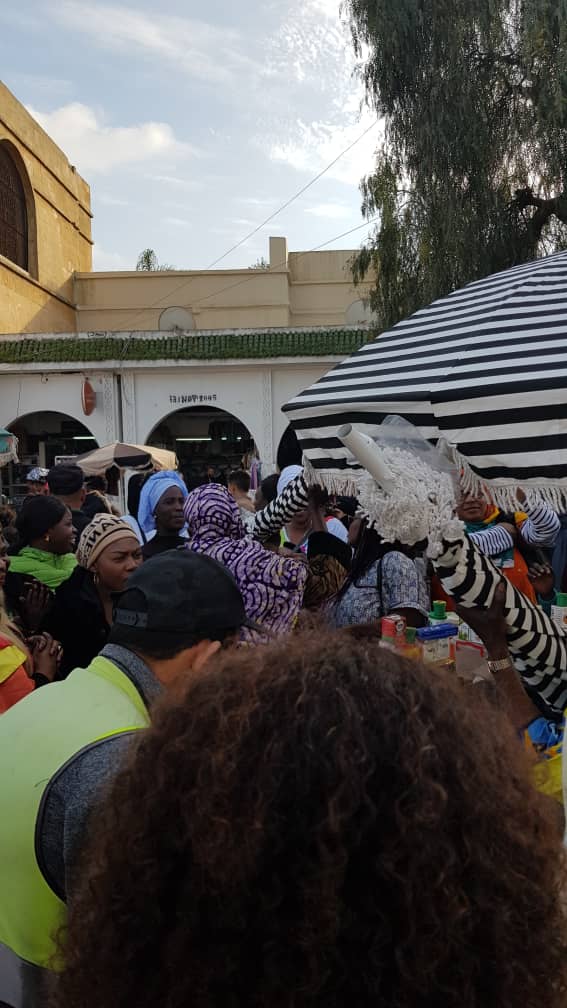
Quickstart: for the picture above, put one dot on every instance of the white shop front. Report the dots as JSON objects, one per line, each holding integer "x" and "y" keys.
{"x": 207, "y": 411}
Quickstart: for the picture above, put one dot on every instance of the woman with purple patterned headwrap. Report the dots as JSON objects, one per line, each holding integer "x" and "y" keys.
{"x": 271, "y": 586}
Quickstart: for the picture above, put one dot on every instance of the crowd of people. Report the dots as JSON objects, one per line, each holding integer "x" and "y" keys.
{"x": 219, "y": 787}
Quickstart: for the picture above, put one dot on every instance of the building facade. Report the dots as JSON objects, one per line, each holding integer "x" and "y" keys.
{"x": 211, "y": 397}
{"x": 197, "y": 361}
{"x": 45, "y": 226}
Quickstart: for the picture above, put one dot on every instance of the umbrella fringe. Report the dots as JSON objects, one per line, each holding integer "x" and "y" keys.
{"x": 505, "y": 496}
{"x": 336, "y": 483}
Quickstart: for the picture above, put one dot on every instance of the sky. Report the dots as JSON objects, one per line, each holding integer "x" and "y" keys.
{"x": 195, "y": 122}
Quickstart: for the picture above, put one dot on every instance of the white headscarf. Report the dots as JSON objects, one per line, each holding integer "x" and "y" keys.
{"x": 287, "y": 475}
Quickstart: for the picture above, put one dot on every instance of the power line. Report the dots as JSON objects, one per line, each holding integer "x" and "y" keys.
{"x": 292, "y": 199}
{"x": 299, "y": 255}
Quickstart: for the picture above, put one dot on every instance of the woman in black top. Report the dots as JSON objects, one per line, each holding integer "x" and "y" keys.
{"x": 108, "y": 552}
{"x": 161, "y": 510}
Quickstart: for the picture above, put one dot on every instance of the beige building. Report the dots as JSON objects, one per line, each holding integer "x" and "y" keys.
{"x": 298, "y": 289}
{"x": 200, "y": 361}
{"x": 47, "y": 283}
{"x": 45, "y": 226}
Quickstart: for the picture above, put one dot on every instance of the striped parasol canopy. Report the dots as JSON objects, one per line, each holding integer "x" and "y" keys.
{"x": 484, "y": 371}
{"x": 126, "y": 456}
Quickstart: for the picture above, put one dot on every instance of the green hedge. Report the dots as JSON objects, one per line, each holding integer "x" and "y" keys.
{"x": 208, "y": 346}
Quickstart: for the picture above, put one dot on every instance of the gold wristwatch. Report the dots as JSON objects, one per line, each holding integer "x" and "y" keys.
{"x": 500, "y": 665}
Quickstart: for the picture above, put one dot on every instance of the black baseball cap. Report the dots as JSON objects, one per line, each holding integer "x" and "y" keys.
{"x": 181, "y": 592}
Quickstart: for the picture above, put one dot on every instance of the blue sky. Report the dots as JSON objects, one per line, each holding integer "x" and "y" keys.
{"x": 193, "y": 123}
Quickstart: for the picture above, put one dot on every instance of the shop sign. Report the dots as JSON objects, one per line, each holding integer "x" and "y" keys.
{"x": 191, "y": 398}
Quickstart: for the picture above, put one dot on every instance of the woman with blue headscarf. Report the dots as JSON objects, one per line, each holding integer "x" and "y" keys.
{"x": 160, "y": 513}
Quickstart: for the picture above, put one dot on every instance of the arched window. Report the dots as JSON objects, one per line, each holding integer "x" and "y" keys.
{"x": 13, "y": 212}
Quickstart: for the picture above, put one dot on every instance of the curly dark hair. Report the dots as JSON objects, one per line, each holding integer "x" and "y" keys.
{"x": 320, "y": 822}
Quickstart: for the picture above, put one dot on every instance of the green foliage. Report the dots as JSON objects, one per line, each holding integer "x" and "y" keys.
{"x": 470, "y": 178}
{"x": 260, "y": 264}
{"x": 198, "y": 346}
{"x": 148, "y": 261}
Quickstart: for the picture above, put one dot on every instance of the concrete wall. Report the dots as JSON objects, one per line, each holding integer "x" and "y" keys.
{"x": 254, "y": 392}
{"x": 59, "y": 226}
{"x": 218, "y": 299}
{"x": 29, "y": 393}
{"x": 313, "y": 288}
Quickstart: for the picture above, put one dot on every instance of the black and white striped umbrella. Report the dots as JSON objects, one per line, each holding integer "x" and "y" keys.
{"x": 484, "y": 368}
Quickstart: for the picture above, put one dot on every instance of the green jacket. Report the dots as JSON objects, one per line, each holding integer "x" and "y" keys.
{"x": 49, "y": 568}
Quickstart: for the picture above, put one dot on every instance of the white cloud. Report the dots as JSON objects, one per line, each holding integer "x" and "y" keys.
{"x": 328, "y": 8}
{"x": 178, "y": 221}
{"x": 106, "y": 262}
{"x": 95, "y": 147}
{"x": 232, "y": 232}
{"x": 51, "y": 88}
{"x": 255, "y": 201}
{"x": 313, "y": 51}
{"x": 203, "y": 51}
{"x": 317, "y": 144}
{"x": 173, "y": 180}
{"x": 330, "y": 210}
{"x": 312, "y": 47}
{"x": 107, "y": 200}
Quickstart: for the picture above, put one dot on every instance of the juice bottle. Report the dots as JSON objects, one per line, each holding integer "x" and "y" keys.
{"x": 410, "y": 647}
{"x": 466, "y": 633}
{"x": 438, "y": 614}
{"x": 393, "y": 629}
{"x": 559, "y": 610}
{"x": 453, "y": 619}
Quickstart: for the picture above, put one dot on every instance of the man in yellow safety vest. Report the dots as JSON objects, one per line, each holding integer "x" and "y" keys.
{"x": 63, "y": 743}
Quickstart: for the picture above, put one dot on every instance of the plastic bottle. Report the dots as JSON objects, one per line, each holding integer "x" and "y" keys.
{"x": 438, "y": 614}
{"x": 453, "y": 619}
{"x": 410, "y": 647}
{"x": 466, "y": 633}
{"x": 392, "y": 629}
{"x": 436, "y": 643}
{"x": 559, "y": 610}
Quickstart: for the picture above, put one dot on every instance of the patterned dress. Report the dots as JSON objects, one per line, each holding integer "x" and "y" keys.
{"x": 394, "y": 582}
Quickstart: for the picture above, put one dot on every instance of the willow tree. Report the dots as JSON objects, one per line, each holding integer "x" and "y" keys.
{"x": 471, "y": 175}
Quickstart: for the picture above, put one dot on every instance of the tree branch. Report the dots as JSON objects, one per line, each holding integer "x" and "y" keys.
{"x": 555, "y": 206}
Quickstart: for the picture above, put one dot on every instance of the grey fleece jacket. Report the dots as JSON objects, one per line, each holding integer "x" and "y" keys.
{"x": 72, "y": 795}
